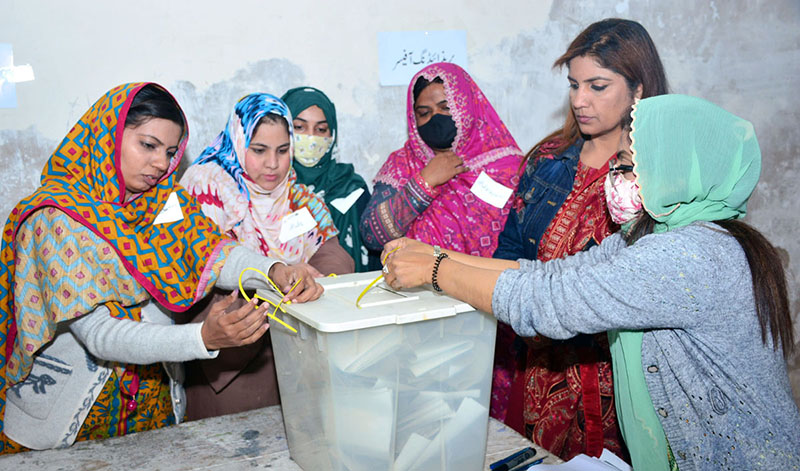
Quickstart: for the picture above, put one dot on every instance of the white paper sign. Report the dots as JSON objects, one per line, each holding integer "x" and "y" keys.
{"x": 401, "y": 54}
{"x": 343, "y": 204}
{"x": 8, "y": 89}
{"x": 490, "y": 191}
{"x": 171, "y": 211}
{"x": 296, "y": 224}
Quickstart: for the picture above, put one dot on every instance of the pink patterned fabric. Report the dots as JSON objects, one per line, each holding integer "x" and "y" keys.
{"x": 457, "y": 219}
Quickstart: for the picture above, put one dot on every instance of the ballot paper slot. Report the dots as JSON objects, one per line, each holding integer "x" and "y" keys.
{"x": 379, "y": 295}
{"x": 398, "y": 396}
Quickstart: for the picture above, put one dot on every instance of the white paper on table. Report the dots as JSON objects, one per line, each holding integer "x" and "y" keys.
{"x": 608, "y": 461}
{"x": 490, "y": 191}
{"x": 344, "y": 204}
{"x": 296, "y": 224}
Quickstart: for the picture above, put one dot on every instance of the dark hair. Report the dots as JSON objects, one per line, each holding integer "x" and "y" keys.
{"x": 272, "y": 118}
{"x": 623, "y": 46}
{"x": 766, "y": 270}
{"x": 150, "y": 102}
{"x": 422, "y": 83}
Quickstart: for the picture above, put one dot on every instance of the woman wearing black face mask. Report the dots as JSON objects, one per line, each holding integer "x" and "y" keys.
{"x": 450, "y": 185}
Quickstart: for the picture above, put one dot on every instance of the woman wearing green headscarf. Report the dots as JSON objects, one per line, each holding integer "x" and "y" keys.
{"x": 694, "y": 300}
{"x": 344, "y": 191}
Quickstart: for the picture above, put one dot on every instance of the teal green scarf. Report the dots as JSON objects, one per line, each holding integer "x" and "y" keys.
{"x": 337, "y": 180}
{"x": 693, "y": 162}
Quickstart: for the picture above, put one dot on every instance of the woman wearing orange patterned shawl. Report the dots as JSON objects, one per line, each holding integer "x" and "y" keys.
{"x": 108, "y": 231}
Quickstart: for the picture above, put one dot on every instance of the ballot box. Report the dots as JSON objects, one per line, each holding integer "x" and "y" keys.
{"x": 400, "y": 383}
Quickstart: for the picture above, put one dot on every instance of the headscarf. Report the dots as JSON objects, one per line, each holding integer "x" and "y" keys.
{"x": 337, "y": 180}
{"x": 457, "y": 219}
{"x": 175, "y": 262}
{"x": 238, "y": 204}
{"x": 701, "y": 163}
{"x": 693, "y": 162}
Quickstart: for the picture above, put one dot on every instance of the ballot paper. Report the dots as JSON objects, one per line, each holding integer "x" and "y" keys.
{"x": 465, "y": 436}
{"x": 432, "y": 356}
{"x": 364, "y": 424}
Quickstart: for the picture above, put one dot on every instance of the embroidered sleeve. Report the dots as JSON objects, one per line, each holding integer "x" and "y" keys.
{"x": 319, "y": 211}
{"x": 390, "y": 212}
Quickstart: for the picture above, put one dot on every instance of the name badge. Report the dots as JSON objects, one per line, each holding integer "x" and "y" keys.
{"x": 490, "y": 191}
{"x": 344, "y": 204}
{"x": 296, "y": 224}
{"x": 171, "y": 211}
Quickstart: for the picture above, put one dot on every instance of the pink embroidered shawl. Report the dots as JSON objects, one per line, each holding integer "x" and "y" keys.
{"x": 457, "y": 219}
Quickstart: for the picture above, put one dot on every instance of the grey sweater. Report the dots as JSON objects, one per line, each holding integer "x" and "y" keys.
{"x": 722, "y": 396}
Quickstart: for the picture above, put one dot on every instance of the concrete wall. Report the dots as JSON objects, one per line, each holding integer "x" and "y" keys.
{"x": 741, "y": 54}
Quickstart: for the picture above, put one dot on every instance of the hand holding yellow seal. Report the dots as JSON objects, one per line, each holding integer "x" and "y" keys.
{"x": 275, "y": 287}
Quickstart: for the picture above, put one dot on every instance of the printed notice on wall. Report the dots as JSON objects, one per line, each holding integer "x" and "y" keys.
{"x": 8, "y": 90}
{"x": 401, "y": 54}
{"x": 10, "y": 75}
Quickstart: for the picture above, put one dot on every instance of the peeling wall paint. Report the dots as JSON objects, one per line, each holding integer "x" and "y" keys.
{"x": 741, "y": 54}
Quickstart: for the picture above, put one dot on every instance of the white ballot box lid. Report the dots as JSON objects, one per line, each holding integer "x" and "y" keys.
{"x": 336, "y": 310}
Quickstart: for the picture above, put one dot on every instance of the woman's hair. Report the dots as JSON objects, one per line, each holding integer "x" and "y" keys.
{"x": 272, "y": 118}
{"x": 766, "y": 270}
{"x": 151, "y": 102}
{"x": 622, "y": 46}
{"x": 422, "y": 83}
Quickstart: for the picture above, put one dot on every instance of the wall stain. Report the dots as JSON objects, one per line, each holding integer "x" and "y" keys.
{"x": 22, "y": 157}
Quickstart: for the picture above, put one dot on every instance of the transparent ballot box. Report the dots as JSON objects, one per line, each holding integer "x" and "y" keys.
{"x": 401, "y": 383}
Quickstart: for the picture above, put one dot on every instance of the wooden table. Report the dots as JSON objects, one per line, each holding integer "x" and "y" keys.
{"x": 247, "y": 440}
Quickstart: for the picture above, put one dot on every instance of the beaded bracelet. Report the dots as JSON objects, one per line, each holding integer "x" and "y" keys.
{"x": 434, "y": 281}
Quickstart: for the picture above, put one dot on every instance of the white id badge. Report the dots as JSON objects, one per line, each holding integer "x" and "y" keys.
{"x": 344, "y": 204}
{"x": 171, "y": 211}
{"x": 296, "y": 224}
{"x": 490, "y": 191}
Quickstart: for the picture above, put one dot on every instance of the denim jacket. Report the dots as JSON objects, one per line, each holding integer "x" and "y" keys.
{"x": 542, "y": 190}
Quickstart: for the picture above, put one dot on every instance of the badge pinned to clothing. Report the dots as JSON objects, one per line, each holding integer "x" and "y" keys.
{"x": 171, "y": 211}
{"x": 296, "y": 224}
{"x": 490, "y": 191}
{"x": 344, "y": 204}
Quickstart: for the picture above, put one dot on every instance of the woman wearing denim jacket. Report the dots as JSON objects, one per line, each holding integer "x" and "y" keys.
{"x": 560, "y": 393}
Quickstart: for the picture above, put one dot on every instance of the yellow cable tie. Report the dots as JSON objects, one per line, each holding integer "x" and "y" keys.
{"x": 277, "y": 306}
{"x": 369, "y": 286}
{"x": 387, "y": 255}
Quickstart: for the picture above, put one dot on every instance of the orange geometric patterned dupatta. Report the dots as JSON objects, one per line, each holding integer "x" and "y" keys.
{"x": 176, "y": 262}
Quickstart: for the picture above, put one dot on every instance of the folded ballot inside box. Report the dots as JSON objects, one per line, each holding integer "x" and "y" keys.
{"x": 400, "y": 383}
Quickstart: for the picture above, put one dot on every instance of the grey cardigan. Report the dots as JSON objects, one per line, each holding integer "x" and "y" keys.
{"x": 49, "y": 407}
{"x": 722, "y": 396}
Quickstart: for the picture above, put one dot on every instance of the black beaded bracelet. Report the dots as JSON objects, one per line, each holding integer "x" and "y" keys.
{"x": 434, "y": 282}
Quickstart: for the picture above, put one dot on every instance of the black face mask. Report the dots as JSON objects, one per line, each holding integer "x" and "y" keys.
{"x": 439, "y": 132}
